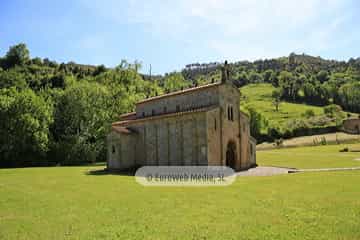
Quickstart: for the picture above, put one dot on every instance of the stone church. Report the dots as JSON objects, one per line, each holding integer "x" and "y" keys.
{"x": 196, "y": 126}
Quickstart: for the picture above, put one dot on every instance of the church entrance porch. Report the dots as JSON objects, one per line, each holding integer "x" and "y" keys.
{"x": 231, "y": 155}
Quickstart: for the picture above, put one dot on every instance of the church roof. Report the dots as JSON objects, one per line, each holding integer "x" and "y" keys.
{"x": 204, "y": 109}
{"x": 180, "y": 92}
{"x": 120, "y": 129}
{"x": 128, "y": 116}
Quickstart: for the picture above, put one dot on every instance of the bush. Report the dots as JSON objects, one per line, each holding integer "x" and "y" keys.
{"x": 274, "y": 133}
{"x": 309, "y": 113}
{"x": 279, "y": 142}
{"x": 332, "y": 110}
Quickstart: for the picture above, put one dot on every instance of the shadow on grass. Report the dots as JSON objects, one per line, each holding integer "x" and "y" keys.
{"x": 102, "y": 172}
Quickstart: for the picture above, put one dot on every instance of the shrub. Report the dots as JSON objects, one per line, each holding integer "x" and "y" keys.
{"x": 332, "y": 110}
{"x": 279, "y": 142}
{"x": 309, "y": 113}
{"x": 274, "y": 133}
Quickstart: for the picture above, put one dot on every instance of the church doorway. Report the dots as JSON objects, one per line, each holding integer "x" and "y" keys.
{"x": 231, "y": 155}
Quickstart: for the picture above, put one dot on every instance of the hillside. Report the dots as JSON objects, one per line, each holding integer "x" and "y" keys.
{"x": 60, "y": 113}
{"x": 290, "y": 116}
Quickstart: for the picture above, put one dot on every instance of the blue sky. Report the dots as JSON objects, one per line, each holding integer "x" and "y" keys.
{"x": 170, "y": 34}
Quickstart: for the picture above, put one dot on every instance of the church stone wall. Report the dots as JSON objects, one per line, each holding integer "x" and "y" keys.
{"x": 121, "y": 150}
{"x": 214, "y": 136}
{"x": 178, "y": 140}
{"x": 245, "y": 141}
{"x": 182, "y": 102}
{"x": 230, "y": 97}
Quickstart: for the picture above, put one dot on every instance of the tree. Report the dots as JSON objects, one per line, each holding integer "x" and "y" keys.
{"x": 286, "y": 82}
{"x": 309, "y": 113}
{"x": 276, "y": 95}
{"x": 24, "y": 128}
{"x": 255, "y": 122}
{"x": 175, "y": 81}
{"x": 349, "y": 96}
{"x": 268, "y": 74}
{"x": 255, "y": 77}
{"x": 322, "y": 76}
{"x": 12, "y": 78}
{"x": 82, "y": 116}
{"x": 17, "y": 55}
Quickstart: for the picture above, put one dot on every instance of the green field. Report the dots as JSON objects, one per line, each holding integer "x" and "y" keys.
{"x": 258, "y": 96}
{"x": 69, "y": 203}
{"x": 311, "y": 157}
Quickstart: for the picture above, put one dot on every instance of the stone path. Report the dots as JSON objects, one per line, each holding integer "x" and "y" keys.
{"x": 264, "y": 171}
{"x": 324, "y": 169}
{"x": 270, "y": 171}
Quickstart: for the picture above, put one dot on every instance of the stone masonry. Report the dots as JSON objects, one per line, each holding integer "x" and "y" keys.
{"x": 196, "y": 126}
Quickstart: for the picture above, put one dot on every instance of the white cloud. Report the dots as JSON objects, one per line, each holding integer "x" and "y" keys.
{"x": 245, "y": 28}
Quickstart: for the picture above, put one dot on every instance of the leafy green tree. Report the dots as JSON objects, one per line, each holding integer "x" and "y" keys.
{"x": 175, "y": 81}
{"x": 82, "y": 117}
{"x": 349, "y": 96}
{"x": 12, "y": 78}
{"x": 322, "y": 76}
{"x": 17, "y": 55}
{"x": 24, "y": 128}
{"x": 255, "y": 77}
{"x": 276, "y": 95}
{"x": 256, "y": 121}
{"x": 267, "y": 75}
{"x": 288, "y": 86}
{"x": 309, "y": 113}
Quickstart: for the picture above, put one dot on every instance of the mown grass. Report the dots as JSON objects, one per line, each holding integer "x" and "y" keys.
{"x": 69, "y": 203}
{"x": 328, "y": 156}
{"x": 258, "y": 96}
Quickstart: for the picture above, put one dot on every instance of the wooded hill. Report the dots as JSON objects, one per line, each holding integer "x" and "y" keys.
{"x": 59, "y": 113}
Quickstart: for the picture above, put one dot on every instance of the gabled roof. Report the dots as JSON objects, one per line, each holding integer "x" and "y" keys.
{"x": 128, "y": 116}
{"x": 204, "y": 109}
{"x": 180, "y": 92}
{"x": 123, "y": 130}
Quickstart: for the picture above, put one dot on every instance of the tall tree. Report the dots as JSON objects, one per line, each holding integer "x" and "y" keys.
{"x": 17, "y": 55}
{"x": 276, "y": 95}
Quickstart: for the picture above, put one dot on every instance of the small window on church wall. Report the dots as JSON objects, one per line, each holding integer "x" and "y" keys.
{"x": 231, "y": 114}
{"x": 177, "y": 108}
{"x": 113, "y": 149}
{"x": 215, "y": 124}
{"x": 153, "y": 112}
{"x": 228, "y": 113}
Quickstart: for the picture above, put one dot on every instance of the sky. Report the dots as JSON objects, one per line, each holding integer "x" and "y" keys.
{"x": 170, "y": 34}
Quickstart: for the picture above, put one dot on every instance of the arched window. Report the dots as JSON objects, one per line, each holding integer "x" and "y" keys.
{"x": 228, "y": 113}
{"x": 231, "y": 114}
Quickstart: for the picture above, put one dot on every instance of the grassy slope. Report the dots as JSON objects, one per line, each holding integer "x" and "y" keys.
{"x": 330, "y": 138}
{"x": 311, "y": 157}
{"x": 67, "y": 203}
{"x": 258, "y": 96}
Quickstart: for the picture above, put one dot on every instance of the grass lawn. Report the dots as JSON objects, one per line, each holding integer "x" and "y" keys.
{"x": 258, "y": 96}
{"x": 68, "y": 203}
{"x": 327, "y": 156}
